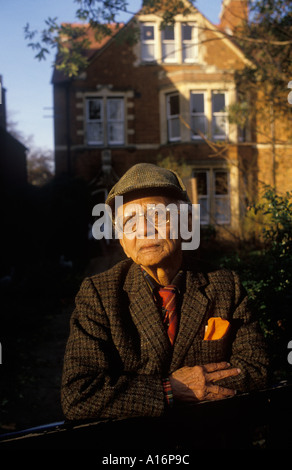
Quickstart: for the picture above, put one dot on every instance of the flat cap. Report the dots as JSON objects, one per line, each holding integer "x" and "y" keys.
{"x": 145, "y": 179}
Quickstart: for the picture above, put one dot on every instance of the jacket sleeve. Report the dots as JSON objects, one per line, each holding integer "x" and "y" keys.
{"x": 248, "y": 349}
{"x": 94, "y": 384}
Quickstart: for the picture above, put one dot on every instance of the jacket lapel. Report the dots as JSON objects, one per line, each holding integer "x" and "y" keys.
{"x": 193, "y": 311}
{"x": 147, "y": 318}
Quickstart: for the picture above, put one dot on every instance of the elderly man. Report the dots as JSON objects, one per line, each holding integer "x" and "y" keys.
{"x": 159, "y": 328}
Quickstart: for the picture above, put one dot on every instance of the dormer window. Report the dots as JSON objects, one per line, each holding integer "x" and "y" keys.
{"x": 172, "y": 44}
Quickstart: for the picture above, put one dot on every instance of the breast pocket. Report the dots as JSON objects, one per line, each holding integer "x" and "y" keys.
{"x": 207, "y": 351}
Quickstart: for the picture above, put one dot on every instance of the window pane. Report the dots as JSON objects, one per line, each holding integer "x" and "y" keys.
{"x": 218, "y": 102}
{"x": 187, "y": 31}
{"x": 219, "y": 126}
{"x": 202, "y": 186}
{"x": 204, "y": 212}
{"x": 221, "y": 183}
{"x": 148, "y": 51}
{"x": 115, "y": 109}
{"x": 168, "y": 52}
{"x": 116, "y": 133}
{"x": 168, "y": 33}
{"x": 174, "y": 105}
{"x": 174, "y": 128}
{"x": 189, "y": 52}
{"x": 148, "y": 33}
{"x": 94, "y": 133}
{"x": 222, "y": 209}
{"x": 94, "y": 109}
{"x": 199, "y": 124}
{"x": 197, "y": 103}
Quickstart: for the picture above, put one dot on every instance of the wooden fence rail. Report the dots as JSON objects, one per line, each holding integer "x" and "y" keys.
{"x": 258, "y": 420}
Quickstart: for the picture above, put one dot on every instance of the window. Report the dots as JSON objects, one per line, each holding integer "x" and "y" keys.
{"x": 94, "y": 121}
{"x": 105, "y": 122}
{"x": 198, "y": 118}
{"x": 115, "y": 121}
{"x": 219, "y": 120}
{"x": 213, "y": 195}
{"x": 148, "y": 42}
{"x": 189, "y": 42}
{"x": 168, "y": 44}
{"x": 221, "y": 197}
{"x": 173, "y": 119}
{"x": 179, "y": 42}
{"x": 203, "y": 192}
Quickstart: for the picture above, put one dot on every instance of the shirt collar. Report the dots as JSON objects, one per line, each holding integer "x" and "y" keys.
{"x": 154, "y": 286}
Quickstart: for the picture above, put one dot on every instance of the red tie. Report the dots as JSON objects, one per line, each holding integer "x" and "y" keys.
{"x": 167, "y": 295}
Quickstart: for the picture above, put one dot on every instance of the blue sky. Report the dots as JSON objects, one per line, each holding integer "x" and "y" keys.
{"x": 28, "y": 81}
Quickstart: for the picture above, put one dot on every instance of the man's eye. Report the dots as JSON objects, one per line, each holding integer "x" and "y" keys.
{"x": 130, "y": 222}
{"x": 128, "y": 218}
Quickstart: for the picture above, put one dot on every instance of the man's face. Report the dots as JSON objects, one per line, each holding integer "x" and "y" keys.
{"x": 148, "y": 248}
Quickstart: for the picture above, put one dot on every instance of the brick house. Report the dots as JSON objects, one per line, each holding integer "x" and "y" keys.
{"x": 165, "y": 96}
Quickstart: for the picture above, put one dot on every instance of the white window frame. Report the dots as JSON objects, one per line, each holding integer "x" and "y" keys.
{"x": 165, "y": 42}
{"x": 105, "y": 121}
{"x": 199, "y": 114}
{"x": 171, "y": 117}
{"x": 149, "y": 42}
{"x": 190, "y": 42}
{"x": 220, "y": 114}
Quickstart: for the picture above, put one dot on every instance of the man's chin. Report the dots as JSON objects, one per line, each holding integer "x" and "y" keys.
{"x": 151, "y": 255}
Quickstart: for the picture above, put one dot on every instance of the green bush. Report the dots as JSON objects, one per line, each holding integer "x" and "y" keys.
{"x": 267, "y": 276}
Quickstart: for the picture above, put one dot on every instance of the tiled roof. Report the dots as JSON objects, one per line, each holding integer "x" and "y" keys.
{"x": 97, "y": 41}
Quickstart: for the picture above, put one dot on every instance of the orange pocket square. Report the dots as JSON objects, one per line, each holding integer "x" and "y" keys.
{"x": 217, "y": 327}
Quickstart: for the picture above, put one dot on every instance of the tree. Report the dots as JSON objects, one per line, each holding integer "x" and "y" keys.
{"x": 71, "y": 42}
{"x": 266, "y": 40}
{"x": 40, "y": 167}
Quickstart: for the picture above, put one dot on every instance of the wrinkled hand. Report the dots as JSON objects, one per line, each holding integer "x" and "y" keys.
{"x": 196, "y": 383}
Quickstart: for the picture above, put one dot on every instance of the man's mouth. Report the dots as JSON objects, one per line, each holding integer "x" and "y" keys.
{"x": 149, "y": 247}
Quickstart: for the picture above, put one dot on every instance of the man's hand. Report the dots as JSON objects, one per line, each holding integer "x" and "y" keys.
{"x": 196, "y": 383}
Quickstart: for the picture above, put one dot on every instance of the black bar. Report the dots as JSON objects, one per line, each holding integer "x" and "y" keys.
{"x": 257, "y": 420}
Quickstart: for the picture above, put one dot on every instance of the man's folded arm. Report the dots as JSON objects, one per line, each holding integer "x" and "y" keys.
{"x": 94, "y": 382}
{"x": 248, "y": 351}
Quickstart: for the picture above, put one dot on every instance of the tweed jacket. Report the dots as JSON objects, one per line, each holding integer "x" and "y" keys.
{"x": 118, "y": 351}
